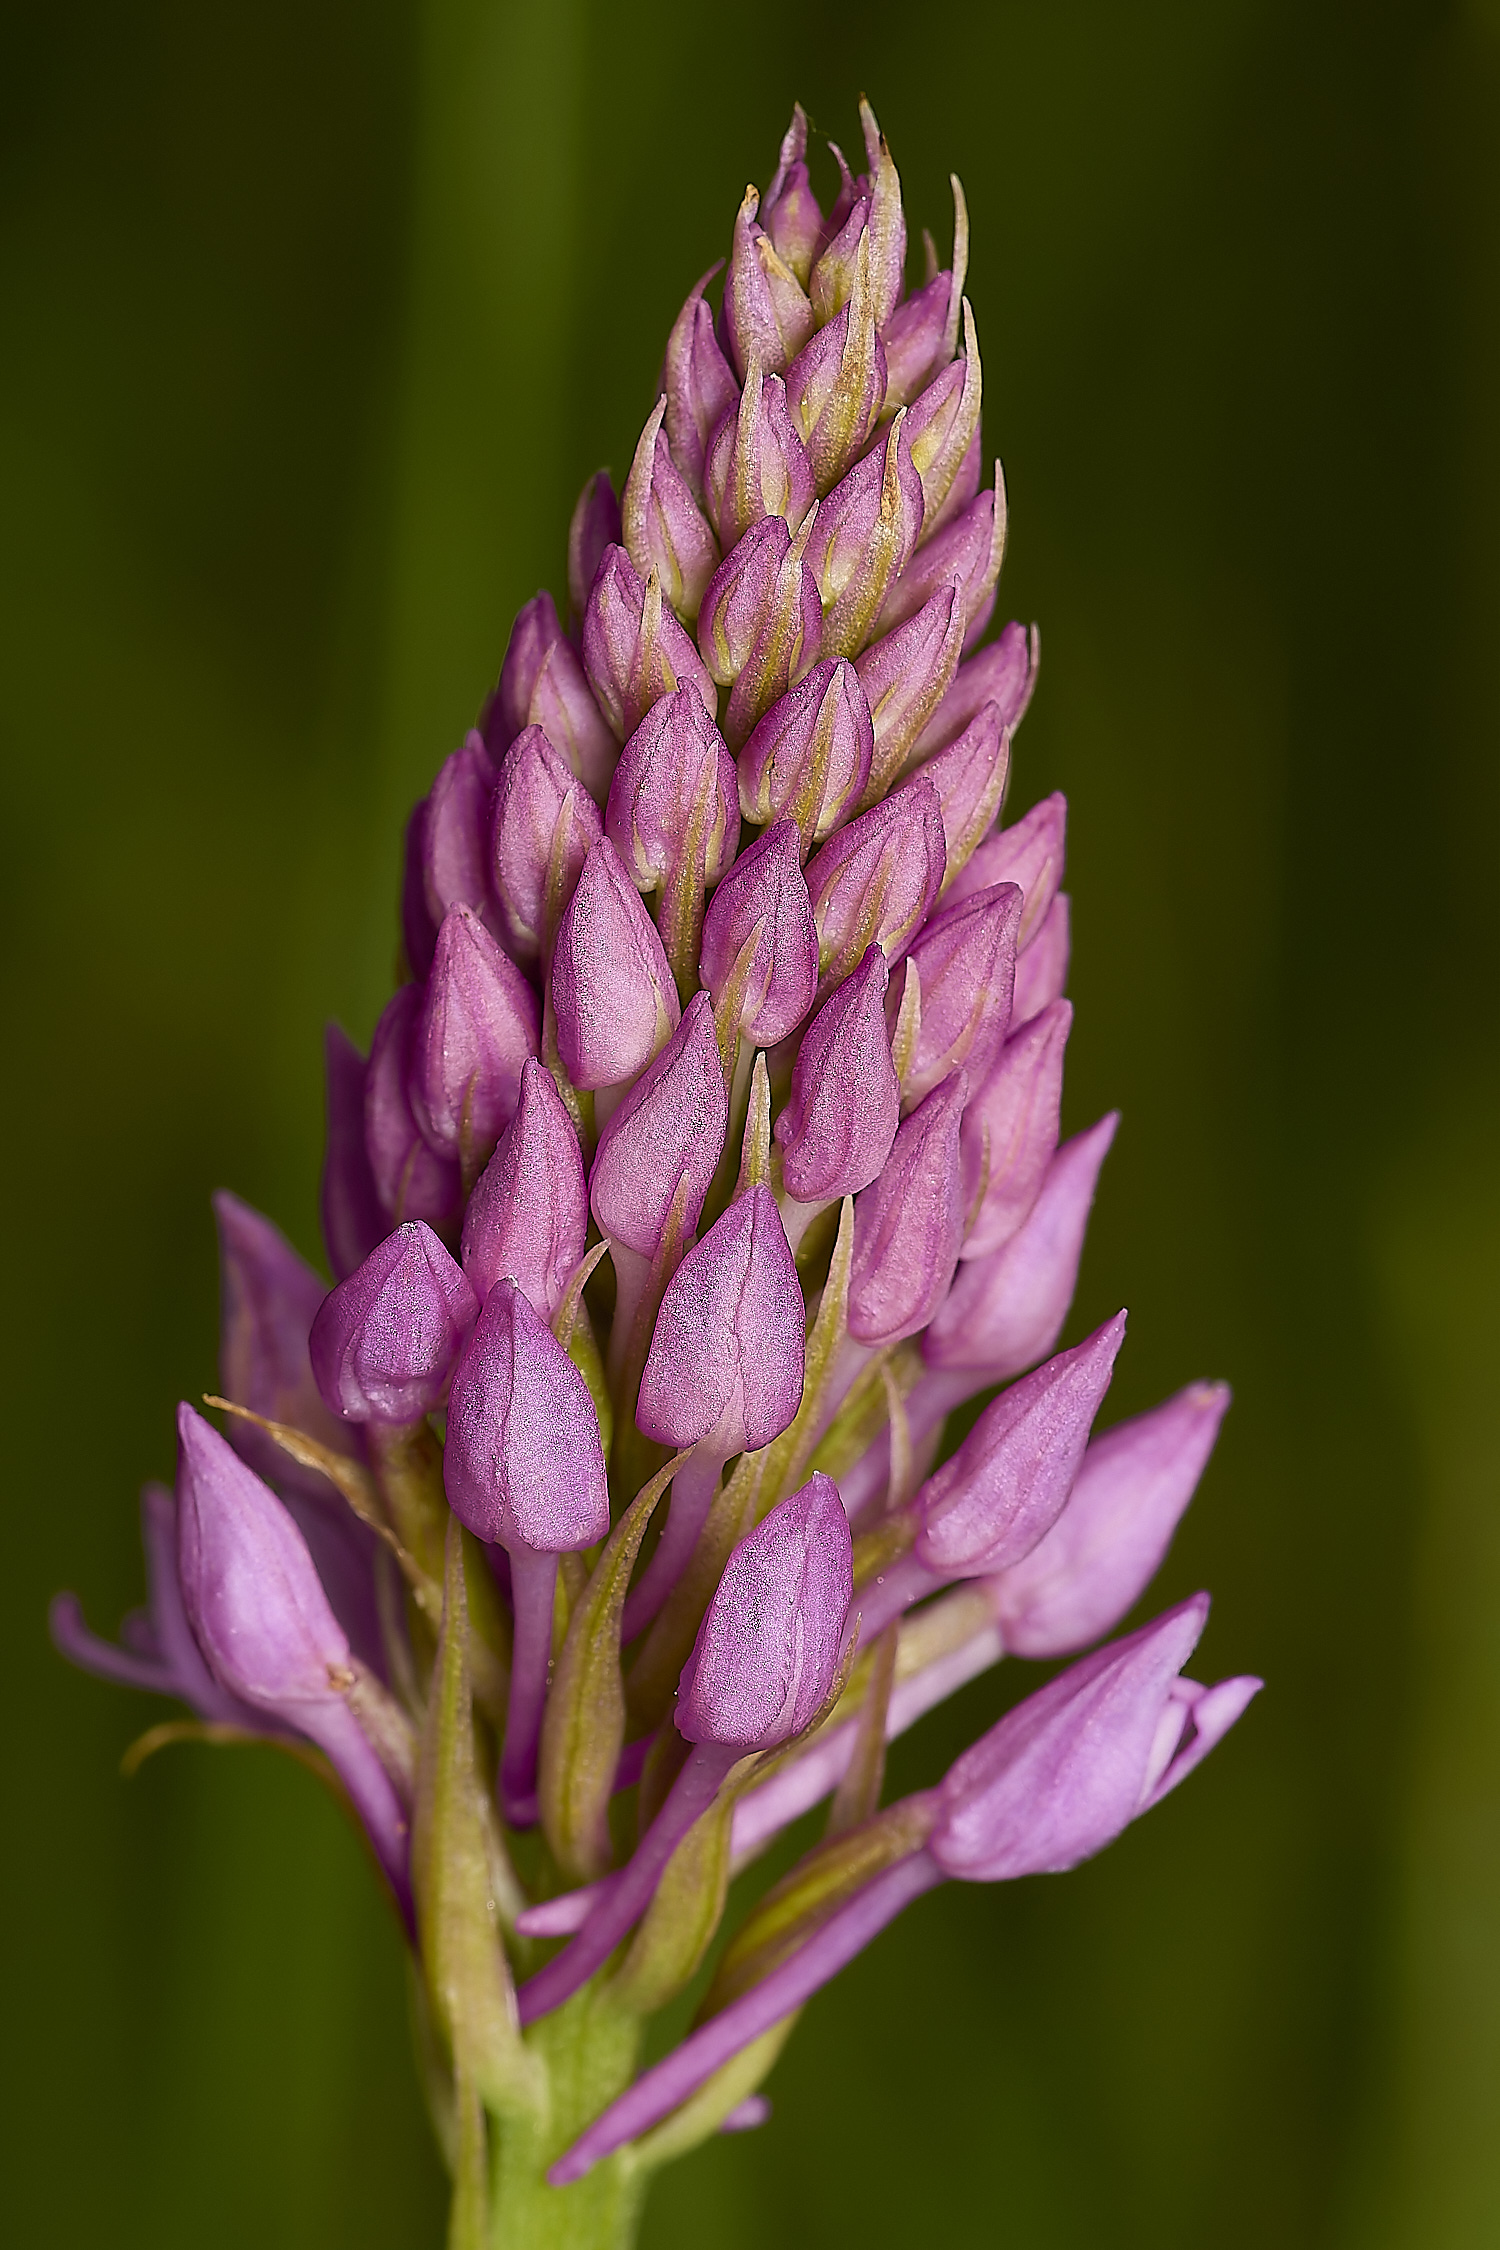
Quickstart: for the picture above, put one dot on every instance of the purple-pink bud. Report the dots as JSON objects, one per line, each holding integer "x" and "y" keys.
{"x": 908, "y": 1223}
{"x": 595, "y": 526}
{"x": 634, "y": 649}
{"x": 831, "y": 282}
{"x": 612, "y": 991}
{"x": 479, "y": 1022}
{"x": 542, "y": 684}
{"x": 353, "y": 1221}
{"x": 887, "y": 219}
{"x": 522, "y": 1465}
{"x": 672, "y": 1121}
{"x": 970, "y": 777}
{"x": 791, "y": 214}
{"x": 1010, "y": 1130}
{"x": 874, "y": 881}
{"x": 1008, "y": 1482}
{"x": 529, "y": 1216}
{"x": 1042, "y": 970}
{"x": 384, "y": 1342}
{"x": 905, "y": 676}
{"x": 945, "y": 435}
{"x": 411, "y": 1180}
{"x": 1065, "y": 1771}
{"x": 967, "y": 552}
{"x": 1005, "y": 1312}
{"x": 268, "y": 1298}
{"x": 454, "y": 832}
{"x": 763, "y": 903}
{"x": 699, "y": 384}
{"x": 786, "y": 646}
{"x": 809, "y": 758}
{"x": 674, "y": 800}
{"x": 740, "y": 598}
{"x": 663, "y": 527}
{"x": 766, "y": 315}
{"x": 757, "y": 465}
{"x": 767, "y": 1650}
{"x": 534, "y": 635}
{"x": 835, "y": 387}
{"x": 727, "y": 1354}
{"x": 918, "y": 339}
{"x": 966, "y": 961}
{"x": 1108, "y": 1543}
{"x": 840, "y": 1118}
{"x": 864, "y": 536}
{"x": 1030, "y": 853}
{"x": 1003, "y": 674}
{"x": 539, "y": 809}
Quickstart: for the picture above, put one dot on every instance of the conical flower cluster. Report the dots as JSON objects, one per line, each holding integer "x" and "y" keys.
{"x": 706, "y": 1157}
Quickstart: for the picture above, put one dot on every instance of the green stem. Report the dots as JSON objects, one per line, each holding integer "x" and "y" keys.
{"x": 589, "y": 2049}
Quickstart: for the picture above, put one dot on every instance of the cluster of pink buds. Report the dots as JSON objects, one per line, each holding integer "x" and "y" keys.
{"x": 598, "y": 1524}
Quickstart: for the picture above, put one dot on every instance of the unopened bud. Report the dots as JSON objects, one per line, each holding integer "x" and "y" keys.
{"x": 634, "y": 649}
{"x": 543, "y": 826}
{"x": 612, "y": 990}
{"x": 757, "y": 465}
{"x": 664, "y": 529}
{"x": 766, "y": 315}
{"x": 809, "y": 758}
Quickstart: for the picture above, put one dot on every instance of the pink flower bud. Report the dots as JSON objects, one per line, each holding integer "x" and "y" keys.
{"x": 479, "y": 1022}
{"x": 672, "y": 1121}
{"x": 786, "y": 646}
{"x": 528, "y": 1216}
{"x": 887, "y": 220}
{"x": 411, "y": 1179}
{"x": 766, "y": 315}
{"x": 1005, "y": 1312}
{"x": 664, "y": 529}
{"x": 384, "y": 1342}
{"x": 967, "y": 552}
{"x": 1063, "y": 1773}
{"x": 699, "y": 384}
{"x": 634, "y": 650}
{"x": 756, "y": 462}
{"x": 908, "y": 1223}
{"x": 522, "y": 1465}
{"x": 840, "y": 1118}
{"x": 905, "y": 676}
{"x": 740, "y": 598}
{"x": 766, "y": 1652}
{"x": 809, "y": 758}
{"x": 595, "y": 526}
{"x": 763, "y": 902}
{"x": 1108, "y": 1543}
{"x": 1008, "y": 1482}
{"x": 944, "y": 423}
{"x": 1042, "y": 970}
{"x": 1010, "y": 1130}
{"x": 612, "y": 991}
{"x": 966, "y": 962}
{"x": 865, "y": 533}
{"x": 835, "y": 387}
{"x": 455, "y": 832}
{"x": 353, "y": 1221}
{"x": 674, "y": 797}
{"x": 874, "y": 881}
{"x": 970, "y": 777}
{"x": 538, "y": 810}
{"x": 727, "y": 1354}
{"x": 792, "y": 217}
{"x": 1030, "y": 853}
{"x": 1003, "y": 674}
{"x": 542, "y": 684}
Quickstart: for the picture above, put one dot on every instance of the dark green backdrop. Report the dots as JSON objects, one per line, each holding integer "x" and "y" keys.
{"x": 317, "y": 315}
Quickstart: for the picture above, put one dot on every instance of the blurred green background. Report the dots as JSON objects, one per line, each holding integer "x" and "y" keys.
{"x": 317, "y": 316}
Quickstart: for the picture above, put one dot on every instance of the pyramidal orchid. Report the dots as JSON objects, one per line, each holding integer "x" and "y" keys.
{"x": 599, "y": 1521}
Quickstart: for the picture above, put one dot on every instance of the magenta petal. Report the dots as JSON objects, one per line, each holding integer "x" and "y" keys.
{"x": 1010, "y": 1130}
{"x": 672, "y": 1121}
{"x": 478, "y": 1024}
{"x": 763, "y": 903}
{"x": 411, "y": 1179}
{"x": 536, "y": 791}
{"x": 840, "y": 1118}
{"x": 965, "y": 960}
{"x": 1029, "y": 853}
{"x": 522, "y": 1464}
{"x": 615, "y": 999}
{"x": 384, "y": 1342}
{"x": 1003, "y": 674}
{"x": 727, "y": 1354}
{"x": 909, "y": 1222}
{"x": 528, "y": 1216}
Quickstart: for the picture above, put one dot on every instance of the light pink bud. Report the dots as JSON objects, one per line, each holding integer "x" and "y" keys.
{"x": 763, "y": 902}
{"x": 835, "y": 387}
{"x": 595, "y": 526}
{"x": 613, "y": 993}
{"x": 699, "y": 384}
{"x": 1029, "y": 852}
{"x": 479, "y": 1022}
{"x": 664, "y": 527}
{"x": 529, "y": 1216}
{"x": 908, "y": 1224}
{"x": 970, "y": 777}
{"x": 945, "y": 431}
{"x": 809, "y": 758}
{"x": 791, "y": 214}
{"x": 840, "y": 1118}
{"x": 865, "y": 533}
{"x": 1042, "y": 970}
{"x": 905, "y": 676}
{"x": 411, "y": 1179}
{"x": 766, "y": 315}
{"x": 786, "y": 647}
{"x": 542, "y": 684}
{"x": 1005, "y": 1312}
{"x": 874, "y": 881}
{"x": 740, "y": 597}
{"x": 967, "y": 553}
{"x": 455, "y": 832}
{"x": 522, "y": 1463}
{"x": 965, "y": 960}
{"x": 634, "y": 650}
{"x": 538, "y": 810}
{"x": 756, "y": 462}
{"x": 1003, "y": 674}
{"x": 1010, "y": 1130}
{"x": 672, "y": 1121}
{"x": 675, "y": 794}
{"x": 727, "y": 1354}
